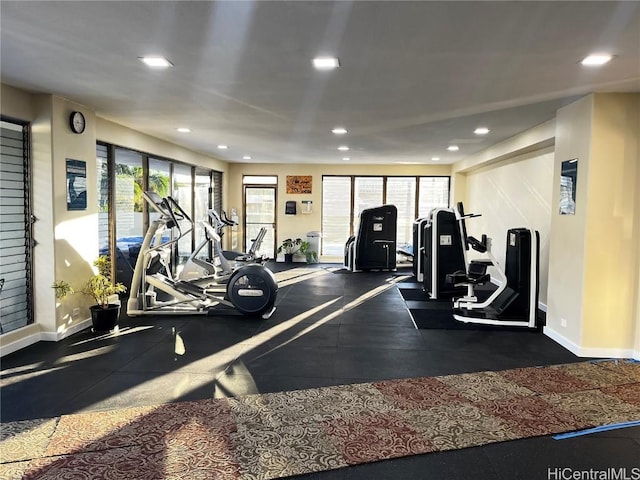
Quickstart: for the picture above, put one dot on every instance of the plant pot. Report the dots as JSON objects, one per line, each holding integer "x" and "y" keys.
{"x": 104, "y": 319}
{"x": 288, "y": 258}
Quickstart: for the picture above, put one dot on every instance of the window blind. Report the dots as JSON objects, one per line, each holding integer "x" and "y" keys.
{"x": 15, "y": 230}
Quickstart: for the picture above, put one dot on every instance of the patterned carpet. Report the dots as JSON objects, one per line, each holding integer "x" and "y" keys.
{"x": 280, "y": 434}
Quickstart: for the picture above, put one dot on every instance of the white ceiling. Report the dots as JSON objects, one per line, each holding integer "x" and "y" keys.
{"x": 414, "y": 76}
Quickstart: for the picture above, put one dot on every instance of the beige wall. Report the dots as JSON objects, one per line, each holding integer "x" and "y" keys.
{"x": 116, "y": 134}
{"x": 298, "y": 225}
{"x": 612, "y": 229}
{"x": 510, "y": 194}
{"x": 510, "y": 185}
{"x": 593, "y": 279}
{"x": 566, "y": 268}
{"x": 16, "y": 104}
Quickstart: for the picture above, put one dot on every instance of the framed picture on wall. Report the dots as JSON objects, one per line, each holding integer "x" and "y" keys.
{"x": 568, "y": 182}
{"x": 76, "y": 184}
{"x": 299, "y": 183}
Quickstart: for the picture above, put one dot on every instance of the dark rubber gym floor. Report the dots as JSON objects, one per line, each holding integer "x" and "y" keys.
{"x": 329, "y": 329}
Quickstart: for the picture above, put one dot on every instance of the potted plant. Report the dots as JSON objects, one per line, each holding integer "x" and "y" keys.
{"x": 290, "y": 247}
{"x": 62, "y": 289}
{"x": 104, "y": 315}
{"x": 310, "y": 255}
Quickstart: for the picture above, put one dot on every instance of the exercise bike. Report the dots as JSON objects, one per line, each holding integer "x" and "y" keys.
{"x": 250, "y": 289}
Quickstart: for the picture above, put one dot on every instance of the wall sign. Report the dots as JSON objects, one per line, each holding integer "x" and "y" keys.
{"x": 76, "y": 184}
{"x": 299, "y": 183}
{"x": 568, "y": 182}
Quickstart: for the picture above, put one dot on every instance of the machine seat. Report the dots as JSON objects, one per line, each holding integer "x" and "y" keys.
{"x": 477, "y": 274}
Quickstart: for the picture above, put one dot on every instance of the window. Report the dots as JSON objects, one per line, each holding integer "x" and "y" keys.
{"x": 336, "y": 214}
{"x": 102, "y": 187}
{"x": 129, "y": 218}
{"x": 15, "y": 223}
{"x": 202, "y": 195}
{"x": 434, "y": 193}
{"x": 129, "y": 185}
{"x": 182, "y": 193}
{"x": 401, "y": 192}
{"x": 367, "y": 193}
{"x": 158, "y": 181}
{"x": 344, "y": 197}
{"x": 259, "y": 212}
{"x": 260, "y": 180}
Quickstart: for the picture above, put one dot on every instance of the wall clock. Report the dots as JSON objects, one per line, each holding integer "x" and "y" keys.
{"x": 77, "y": 122}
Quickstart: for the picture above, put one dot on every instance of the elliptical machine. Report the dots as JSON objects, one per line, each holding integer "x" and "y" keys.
{"x": 240, "y": 258}
{"x": 250, "y": 289}
{"x": 202, "y": 270}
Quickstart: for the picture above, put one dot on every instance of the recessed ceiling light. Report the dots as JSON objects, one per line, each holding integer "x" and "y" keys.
{"x": 326, "y": 63}
{"x": 481, "y": 131}
{"x": 596, "y": 60}
{"x": 343, "y": 148}
{"x": 183, "y": 129}
{"x": 346, "y": 159}
{"x": 156, "y": 62}
{"x": 247, "y": 157}
{"x": 453, "y": 148}
{"x": 435, "y": 159}
{"x": 339, "y": 130}
{"x": 222, "y": 147}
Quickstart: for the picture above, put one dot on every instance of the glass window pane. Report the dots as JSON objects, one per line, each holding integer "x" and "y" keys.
{"x": 260, "y": 180}
{"x": 128, "y": 214}
{"x": 102, "y": 169}
{"x": 336, "y": 214}
{"x": 159, "y": 181}
{"x": 367, "y": 193}
{"x": 401, "y": 192}
{"x": 434, "y": 193}
{"x": 182, "y": 189}
{"x": 260, "y": 211}
{"x": 201, "y": 207}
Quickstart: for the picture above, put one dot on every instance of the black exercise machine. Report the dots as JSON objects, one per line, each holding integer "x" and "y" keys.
{"x": 440, "y": 252}
{"x": 374, "y": 247}
{"x": 515, "y": 300}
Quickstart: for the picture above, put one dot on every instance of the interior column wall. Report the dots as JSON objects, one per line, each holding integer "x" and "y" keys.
{"x": 593, "y": 279}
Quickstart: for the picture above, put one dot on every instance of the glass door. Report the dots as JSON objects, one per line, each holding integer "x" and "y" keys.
{"x": 260, "y": 211}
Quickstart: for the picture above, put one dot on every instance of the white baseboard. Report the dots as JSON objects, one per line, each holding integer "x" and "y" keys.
{"x": 589, "y": 352}
{"x": 59, "y": 335}
{"x": 43, "y": 337}
{"x": 19, "y": 344}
